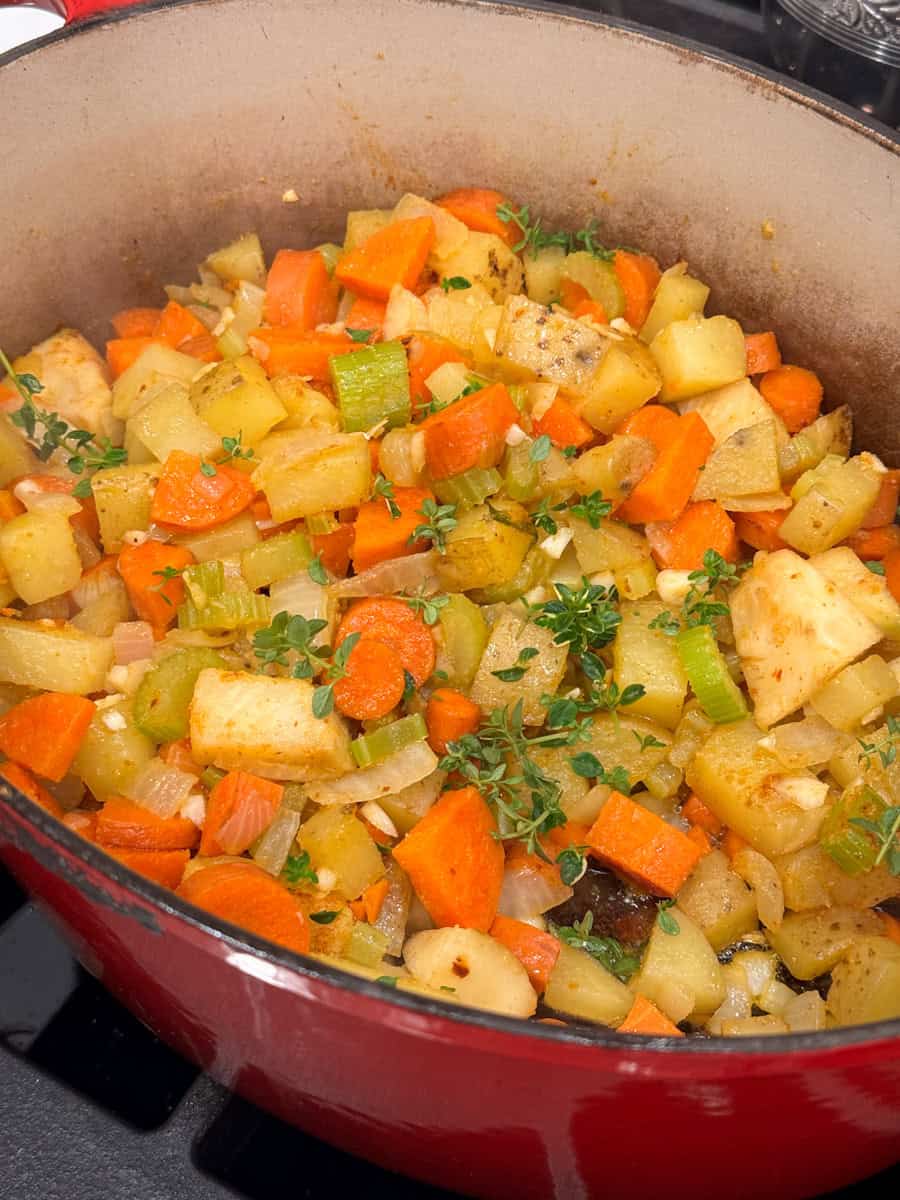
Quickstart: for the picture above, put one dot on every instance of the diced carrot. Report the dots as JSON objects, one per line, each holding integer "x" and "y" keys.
{"x": 450, "y": 715}
{"x": 245, "y": 895}
{"x": 122, "y": 823}
{"x": 695, "y": 811}
{"x": 394, "y": 254}
{"x": 644, "y": 1017}
{"x": 373, "y": 682}
{"x": 762, "y": 353}
{"x": 592, "y": 309}
{"x": 700, "y": 839}
{"x": 427, "y": 352}
{"x": 681, "y": 544}
{"x": 83, "y": 823}
{"x": 122, "y": 352}
{"x": 638, "y": 275}
{"x": 286, "y": 351}
{"x": 368, "y": 906}
{"x": 165, "y": 867}
{"x": 378, "y": 535}
{"x": 884, "y": 510}
{"x": 536, "y": 951}
{"x": 189, "y": 499}
{"x": 563, "y": 426}
{"x": 178, "y": 754}
{"x": 136, "y": 322}
{"x": 572, "y": 293}
{"x": 731, "y": 843}
{"x": 477, "y": 209}
{"x": 874, "y": 544}
{"x": 29, "y": 786}
{"x": 892, "y": 572}
{"x": 240, "y": 807}
{"x": 891, "y": 927}
{"x": 795, "y": 394}
{"x": 683, "y": 444}
{"x": 299, "y": 290}
{"x": 393, "y": 622}
{"x": 203, "y": 347}
{"x": 469, "y": 433}
{"x": 760, "y": 529}
{"x": 9, "y": 506}
{"x": 335, "y": 548}
{"x": 146, "y": 572}
{"x": 177, "y": 324}
{"x": 573, "y": 833}
{"x": 44, "y": 732}
{"x": 639, "y": 843}
{"x": 366, "y": 314}
{"x": 454, "y": 861}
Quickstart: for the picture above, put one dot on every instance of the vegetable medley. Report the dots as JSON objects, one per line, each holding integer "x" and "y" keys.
{"x": 461, "y": 606}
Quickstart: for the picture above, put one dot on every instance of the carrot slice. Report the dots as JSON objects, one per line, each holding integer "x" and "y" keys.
{"x": 44, "y": 732}
{"x": 426, "y": 353}
{"x": 640, "y": 844}
{"x": 563, "y": 426}
{"x": 374, "y": 681}
{"x": 368, "y": 906}
{"x": 123, "y": 824}
{"x": 700, "y": 839}
{"x": 9, "y": 506}
{"x": 763, "y": 353}
{"x": 477, "y": 209}
{"x": 86, "y": 520}
{"x": 286, "y": 351}
{"x": 536, "y": 951}
{"x": 165, "y": 867}
{"x": 874, "y": 544}
{"x": 454, "y": 862}
{"x": 469, "y": 433}
{"x": 379, "y": 535}
{"x": 335, "y": 547}
{"x": 892, "y": 572}
{"x": 136, "y": 322}
{"x": 366, "y": 314}
{"x": 122, "y": 352}
{"x": 638, "y": 275}
{"x": 154, "y": 591}
{"x": 240, "y": 807}
{"x": 177, "y": 324}
{"x": 299, "y": 290}
{"x": 684, "y": 444}
{"x": 695, "y": 811}
{"x": 572, "y": 293}
{"x": 450, "y": 715}
{"x": 884, "y": 510}
{"x": 29, "y": 786}
{"x": 185, "y": 496}
{"x": 760, "y": 529}
{"x": 245, "y": 895}
{"x": 593, "y": 309}
{"x": 794, "y": 393}
{"x": 391, "y": 255}
{"x": 644, "y": 1017}
{"x": 391, "y": 621}
{"x": 681, "y": 544}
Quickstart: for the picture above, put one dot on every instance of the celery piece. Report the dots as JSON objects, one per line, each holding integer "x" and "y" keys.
{"x": 471, "y": 488}
{"x": 382, "y": 743}
{"x": 162, "y": 699}
{"x": 277, "y": 558}
{"x": 231, "y": 610}
{"x": 520, "y": 473}
{"x": 372, "y": 385}
{"x": 465, "y": 635}
{"x": 204, "y": 581}
{"x": 719, "y": 696}
{"x": 331, "y": 252}
{"x": 852, "y": 848}
{"x": 814, "y": 475}
{"x": 533, "y": 571}
{"x": 366, "y": 945}
{"x": 322, "y": 523}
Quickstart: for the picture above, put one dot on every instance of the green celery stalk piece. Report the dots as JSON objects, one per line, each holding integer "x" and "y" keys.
{"x": 382, "y": 743}
{"x": 469, "y": 489}
{"x": 852, "y": 848}
{"x": 161, "y": 702}
{"x": 719, "y": 696}
{"x": 372, "y": 385}
{"x": 277, "y": 558}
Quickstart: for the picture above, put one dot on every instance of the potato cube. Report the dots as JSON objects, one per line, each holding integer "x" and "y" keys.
{"x": 486, "y": 259}
{"x": 236, "y": 399}
{"x": 16, "y": 457}
{"x": 512, "y": 634}
{"x": 733, "y": 407}
{"x": 678, "y": 295}
{"x": 718, "y": 901}
{"x": 864, "y": 589}
{"x": 36, "y": 655}
{"x": 580, "y": 987}
{"x": 38, "y": 553}
{"x": 482, "y": 552}
{"x": 543, "y": 272}
{"x": 625, "y": 379}
{"x": 123, "y": 496}
{"x": 698, "y": 354}
{"x": 169, "y": 422}
{"x": 157, "y": 364}
{"x": 547, "y": 343}
{"x": 338, "y": 841}
{"x": 685, "y": 958}
{"x": 833, "y": 508}
{"x": 811, "y": 943}
{"x": 315, "y": 473}
{"x": 746, "y": 464}
{"x": 860, "y": 689}
{"x": 649, "y": 657}
{"x": 866, "y": 985}
{"x": 611, "y": 547}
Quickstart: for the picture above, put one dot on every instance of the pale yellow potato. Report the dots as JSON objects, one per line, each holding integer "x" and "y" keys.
{"x": 625, "y": 379}
{"x": 123, "y": 496}
{"x": 362, "y": 223}
{"x": 157, "y": 364}
{"x": 548, "y": 344}
{"x": 75, "y": 382}
{"x": 833, "y": 508}
{"x": 235, "y": 399}
{"x": 16, "y": 457}
{"x": 450, "y": 234}
{"x": 315, "y": 472}
{"x": 866, "y": 985}
{"x": 812, "y": 879}
{"x": 733, "y": 407}
{"x": 863, "y": 588}
{"x": 649, "y": 657}
{"x": 338, "y": 841}
{"x": 746, "y": 464}
{"x": 863, "y": 687}
{"x": 471, "y": 968}
{"x": 512, "y": 634}
{"x": 718, "y": 901}
{"x": 678, "y": 295}
{"x": 44, "y": 657}
{"x": 486, "y": 259}
{"x": 698, "y": 355}
{"x": 240, "y": 259}
{"x": 684, "y": 958}
{"x": 580, "y": 987}
{"x": 167, "y": 422}
{"x": 39, "y": 555}
{"x": 810, "y": 943}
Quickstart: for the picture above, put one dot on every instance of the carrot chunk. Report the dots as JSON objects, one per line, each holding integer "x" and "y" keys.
{"x": 695, "y": 811}
{"x": 122, "y": 352}
{"x": 563, "y": 426}
{"x": 427, "y": 352}
{"x": 641, "y": 844}
{"x": 147, "y": 571}
{"x": 469, "y": 433}
{"x": 681, "y": 544}
{"x": 299, "y": 290}
{"x": 794, "y": 393}
{"x": 874, "y": 544}
{"x": 374, "y": 681}
{"x": 177, "y": 324}
{"x": 388, "y": 620}
{"x": 245, "y": 895}
{"x": 379, "y": 535}
{"x": 477, "y": 209}
{"x": 892, "y": 572}
{"x": 760, "y": 529}
{"x": 450, "y": 715}
{"x": 189, "y": 498}
{"x": 123, "y": 824}
{"x": 645, "y": 1017}
{"x": 203, "y": 347}
{"x": 638, "y": 276}
{"x": 536, "y": 951}
{"x": 240, "y": 807}
{"x": 572, "y": 293}
{"x": 165, "y": 867}
{"x": 394, "y": 254}
{"x": 366, "y": 314}
{"x": 44, "y": 732}
{"x": 335, "y": 547}
{"x": 287, "y": 351}
{"x": 762, "y": 353}
{"x": 136, "y": 322}
{"x": 683, "y": 444}
{"x": 884, "y": 509}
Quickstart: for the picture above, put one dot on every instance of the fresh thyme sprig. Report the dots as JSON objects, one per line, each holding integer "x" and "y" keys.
{"x": 295, "y": 636}
{"x": 606, "y": 950}
{"x": 706, "y": 599}
{"x": 440, "y": 519}
{"x": 534, "y": 237}
{"x": 384, "y": 488}
{"x": 582, "y": 618}
{"x": 429, "y": 606}
{"x": 885, "y": 749}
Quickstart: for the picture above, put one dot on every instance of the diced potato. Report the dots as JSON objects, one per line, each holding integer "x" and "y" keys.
{"x": 481, "y": 551}
{"x": 123, "y": 496}
{"x": 109, "y": 757}
{"x": 449, "y": 232}
{"x": 56, "y": 660}
{"x": 486, "y": 259}
{"x": 236, "y": 399}
{"x": 697, "y": 355}
{"x": 548, "y": 344}
{"x": 454, "y": 315}
{"x": 615, "y": 468}
{"x": 812, "y": 879}
{"x": 599, "y": 278}
{"x": 332, "y": 938}
{"x": 363, "y": 222}
{"x": 753, "y": 1026}
{"x": 729, "y": 409}
{"x": 864, "y": 589}
{"x": 625, "y": 379}
{"x": 611, "y": 547}
{"x": 684, "y": 958}
{"x": 866, "y": 985}
{"x": 793, "y": 631}
{"x": 859, "y": 689}
{"x": 555, "y": 762}
{"x": 543, "y": 272}
{"x": 677, "y": 296}
{"x": 168, "y": 422}
{"x": 512, "y": 634}
{"x": 744, "y": 465}
{"x": 636, "y": 581}
{"x": 338, "y": 841}
{"x": 101, "y": 615}
{"x": 39, "y": 554}
{"x": 617, "y": 740}
{"x": 265, "y": 725}
{"x": 738, "y": 779}
{"x": 464, "y": 635}
{"x": 473, "y": 968}
{"x": 810, "y": 943}
{"x": 832, "y": 433}
{"x": 16, "y": 458}
{"x": 306, "y": 408}
{"x": 323, "y": 472}
{"x": 75, "y": 382}
{"x": 580, "y": 987}
{"x": 157, "y": 364}
{"x": 648, "y": 656}
{"x": 222, "y": 541}
{"x": 240, "y": 259}
{"x": 833, "y": 508}
{"x": 718, "y": 901}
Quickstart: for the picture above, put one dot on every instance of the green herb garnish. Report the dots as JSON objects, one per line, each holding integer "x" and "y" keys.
{"x": 456, "y": 283}
{"x": 606, "y": 950}
{"x": 440, "y": 519}
{"x": 514, "y": 673}
{"x": 384, "y": 488}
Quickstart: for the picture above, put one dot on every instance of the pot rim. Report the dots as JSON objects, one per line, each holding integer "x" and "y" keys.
{"x": 673, "y": 1049}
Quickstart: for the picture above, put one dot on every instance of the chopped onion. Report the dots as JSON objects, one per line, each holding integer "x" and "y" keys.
{"x": 86, "y": 547}
{"x": 515, "y": 435}
{"x": 395, "y": 458}
{"x": 804, "y": 1013}
{"x": 804, "y": 791}
{"x": 132, "y": 641}
{"x": 528, "y": 891}
{"x": 736, "y": 1006}
{"x": 539, "y": 397}
{"x": 759, "y": 970}
{"x": 57, "y": 608}
{"x": 161, "y": 789}
{"x": 301, "y": 597}
{"x": 671, "y": 586}
{"x": 405, "y": 313}
{"x": 376, "y": 816}
{"x": 96, "y": 583}
{"x": 274, "y": 846}
{"x": 415, "y": 573}
{"x": 409, "y": 765}
{"x": 394, "y": 913}
{"x": 447, "y": 381}
{"x": 194, "y": 809}
{"x": 776, "y": 997}
{"x": 765, "y": 881}
{"x": 419, "y": 797}
{"x": 36, "y": 499}
{"x": 807, "y": 743}
{"x": 555, "y": 544}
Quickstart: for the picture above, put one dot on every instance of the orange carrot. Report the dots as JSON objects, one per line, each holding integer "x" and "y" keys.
{"x": 563, "y": 426}
{"x": 426, "y": 353}
{"x": 572, "y": 294}
{"x": 165, "y": 867}
{"x": 469, "y": 433}
{"x": 245, "y": 895}
{"x": 449, "y": 715}
{"x": 760, "y": 529}
{"x": 681, "y": 544}
{"x": 122, "y": 823}
{"x": 536, "y": 951}
{"x": 44, "y": 732}
{"x": 374, "y": 681}
{"x": 378, "y": 535}
{"x": 884, "y": 510}
{"x": 335, "y": 548}
{"x": 366, "y": 314}
{"x": 640, "y": 844}
{"x": 700, "y": 839}
{"x": 695, "y": 811}
{"x": 477, "y": 209}
{"x": 190, "y": 499}
{"x": 286, "y": 351}
{"x": 146, "y": 571}
{"x": 203, "y": 347}
{"x": 136, "y": 322}
{"x": 875, "y": 544}
{"x": 684, "y": 444}
{"x": 593, "y": 309}
{"x": 731, "y": 843}
{"x": 892, "y": 572}
{"x": 762, "y": 353}
{"x": 638, "y": 275}
{"x": 644, "y": 1017}
{"x": 794, "y": 393}
{"x": 29, "y": 786}
{"x": 299, "y": 290}
{"x": 177, "y": 324}
{"x": 393, "y": 254}
{"x": 122, "y": 352}
{"x": 83, "y": 823}
{"x": 891, "y": 927}
{"x": 573, "y": 833}
{"x": 454, "y": 862}
{"x": 240, "y": 807}
{"x": 393, "y": 622}
{"x": 9, "y": 506}
{"x": 368, "y": 906}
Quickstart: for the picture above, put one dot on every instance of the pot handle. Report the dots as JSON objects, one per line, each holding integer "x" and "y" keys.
{"x": 78, "y": 10}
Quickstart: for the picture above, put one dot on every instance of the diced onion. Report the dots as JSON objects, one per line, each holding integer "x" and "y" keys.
{"x": 776, "y": 997}
{"x": 301, "y": 597}
{"x": 54, "y": 609}
{"x": 528, "y": 891}
{"x": 132, "y": 641}
{"x": 161, "y": 789}
{"x": 96, "y": 583}
{"x": 405, "y": 313}
{"x": 540, "y": 396}
{"x": 274, "y": 846}
{"x": 376, "y": 816}
{"x": 671, "y": 586}
{"x": 416, "y": 573}
{"x": 395, "y": 458}
{"x": 419, "y": 797}
{"x": 554, "y": 545}
{"x": 194, "y": 809}
{"x": 736, "y": 1006}
{"x": 86, "y": 547}
{"x": 765, "y": 881}
{"x": 515, "y": 435}
{"x": 675, "y": 999}
{"x": 805, "y": 792}
{"x": 804, "y": 1013}
{"x": 807, "y": 743}
{"x": 402, "y": 769}
{"x": 759, "y": 970}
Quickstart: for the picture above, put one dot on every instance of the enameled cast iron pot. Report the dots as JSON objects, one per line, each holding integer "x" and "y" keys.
{"x": 132, "y": 147}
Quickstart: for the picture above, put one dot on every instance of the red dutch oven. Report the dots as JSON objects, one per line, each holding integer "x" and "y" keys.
{"x": 130, "y": 148}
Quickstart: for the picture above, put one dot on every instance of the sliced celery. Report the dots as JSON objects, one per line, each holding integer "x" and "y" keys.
{"x": 532, "y": 572}
{"x": 277, "y": 558}
{"x": 160, "y": 707}
{"x": 372, "y": 385}
{"x": 852, "y": 848}
{"x": 704, "y": 664}
{"x": 521, "y": 474}
{"x": 382, "y": 743}
{"x": 231, "y": 610}
{"x": 204, "y": 581}
{"x": 366, "y": 945}
{"x": 465, "y": 635}
{"x": 471, "y": 488}
{"x": 331, "y": 252}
